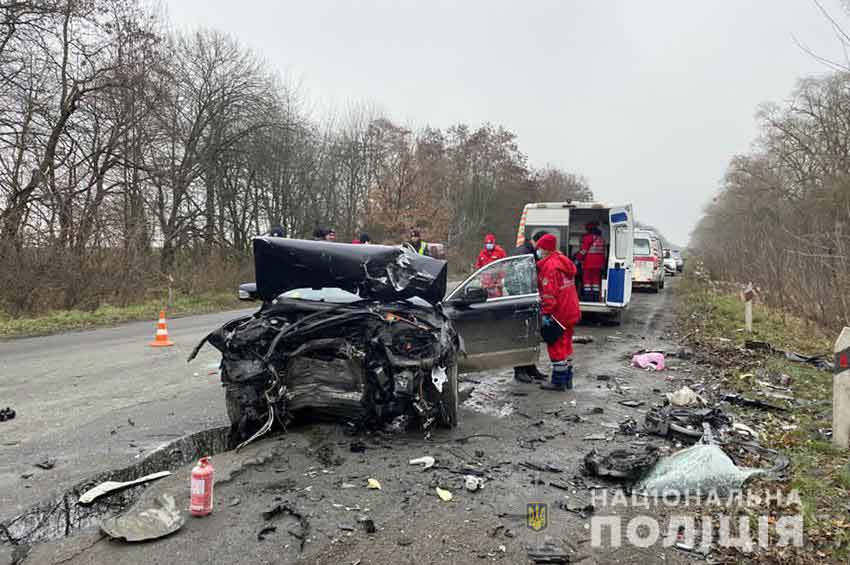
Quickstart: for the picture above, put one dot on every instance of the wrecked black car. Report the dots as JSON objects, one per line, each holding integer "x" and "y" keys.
{"x": 363, "y": 334}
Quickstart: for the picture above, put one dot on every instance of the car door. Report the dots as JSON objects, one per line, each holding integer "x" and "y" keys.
{"x": 621, "y": 256}
{"x": 497, "y": 313}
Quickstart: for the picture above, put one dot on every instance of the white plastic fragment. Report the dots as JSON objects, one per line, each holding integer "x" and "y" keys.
{"x": 111, "y": 486}
{"x": 426, "y": 461}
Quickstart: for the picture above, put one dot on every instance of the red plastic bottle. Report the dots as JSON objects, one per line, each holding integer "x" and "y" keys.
{"x": 203, "y": 476}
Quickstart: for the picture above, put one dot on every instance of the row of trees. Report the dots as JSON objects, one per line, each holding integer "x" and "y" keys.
{"x": 131, "y": 156}
{"x": 782, "y": 218}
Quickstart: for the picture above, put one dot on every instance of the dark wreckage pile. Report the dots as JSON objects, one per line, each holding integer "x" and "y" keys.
{"x": 385, "y": 357}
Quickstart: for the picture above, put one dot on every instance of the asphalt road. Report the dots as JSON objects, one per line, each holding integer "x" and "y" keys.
{"x": 75, "y": 395}
{"x": 73, "y": 391}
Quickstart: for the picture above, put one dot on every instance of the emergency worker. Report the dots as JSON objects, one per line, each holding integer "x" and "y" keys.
{"x": 560, "y": 309}
{"x": 415, "y": 242}
{"x": 492, "y": 252}
{"x": 592, "y": 258}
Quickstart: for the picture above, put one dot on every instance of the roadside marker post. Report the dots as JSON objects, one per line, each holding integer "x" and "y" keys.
{"x": 841, "y": 391}
{"x": 748, "y": 295}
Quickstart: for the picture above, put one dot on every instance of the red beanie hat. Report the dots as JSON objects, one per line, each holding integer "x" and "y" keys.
{"x": 547, "y": 242}
{"x": 490, "y": 238}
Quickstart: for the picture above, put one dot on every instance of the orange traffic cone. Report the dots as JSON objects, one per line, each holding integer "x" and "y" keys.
{"x": 161, "y": 339}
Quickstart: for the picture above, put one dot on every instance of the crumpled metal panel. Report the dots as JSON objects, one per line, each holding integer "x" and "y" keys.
{"x": 372, "y": 271}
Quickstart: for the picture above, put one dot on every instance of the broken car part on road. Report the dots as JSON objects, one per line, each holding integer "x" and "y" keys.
{"x": 146, "y": 521}
{"x": 387, "y": 355}
{"x": 621, "y": 464}
{"x": 112, "y": 486}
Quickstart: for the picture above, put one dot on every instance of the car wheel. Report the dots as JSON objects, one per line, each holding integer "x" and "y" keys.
{"x": 449, "y": 398}
{"x": 656, "y": 287}
{"x": 663, "y": 283}
{"x": 615, "y": 318}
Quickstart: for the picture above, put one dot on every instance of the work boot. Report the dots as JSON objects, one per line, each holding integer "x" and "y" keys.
{"x": 521, "y": 375}
{"x": 536, "y": 374}
{"x": 567, "y": 378}
{"x": 558, "y": 377}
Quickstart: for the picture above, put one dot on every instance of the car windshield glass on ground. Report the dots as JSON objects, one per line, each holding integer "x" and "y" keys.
{"x": 642, "y": 246}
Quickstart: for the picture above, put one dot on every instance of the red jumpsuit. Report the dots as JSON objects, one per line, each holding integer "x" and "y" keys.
{"x": 592, "y": 257}
{"x": 556, "y": 282}
{"x": 492, "y": 281}
{"x": 487, "y": 257}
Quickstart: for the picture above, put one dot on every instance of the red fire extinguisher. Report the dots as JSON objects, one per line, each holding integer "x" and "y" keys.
{"x": 202, "y": 488}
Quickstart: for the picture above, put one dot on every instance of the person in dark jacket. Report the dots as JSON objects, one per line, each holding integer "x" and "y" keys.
{"x": 527, "y": 247}
{"x": 528, "y": 373}
{"x": 415, "y": 243}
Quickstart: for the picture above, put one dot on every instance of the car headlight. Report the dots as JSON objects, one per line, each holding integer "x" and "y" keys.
{"x": 243, "y": 295}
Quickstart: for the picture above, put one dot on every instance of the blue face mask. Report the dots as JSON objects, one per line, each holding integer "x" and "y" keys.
{"x": 539, "y": 253}
{"x": 489, "y": 246}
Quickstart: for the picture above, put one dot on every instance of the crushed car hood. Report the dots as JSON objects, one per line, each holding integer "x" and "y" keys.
{"x": 373, "y": 271}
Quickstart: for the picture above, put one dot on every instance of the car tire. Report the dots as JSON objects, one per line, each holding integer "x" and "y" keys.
{"x": 449, "y": 397}
{"x": 663, "y": 283}
{"x": 615, "y": 318}
{"x": 656, "y": 287}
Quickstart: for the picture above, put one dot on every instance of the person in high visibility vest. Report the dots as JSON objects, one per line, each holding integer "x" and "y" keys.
{"x": 592, "y": 258}
{"x": 415, "y": 243}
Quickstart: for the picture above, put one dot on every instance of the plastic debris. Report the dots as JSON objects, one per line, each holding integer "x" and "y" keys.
{"x": 685, "y": 397}
{"x": 621, "y": 464}
{"x": 473, "y": 483}
{"x": 444, "y": 494}
{"x": 701, "y": 468}
{"x": 47, "y": 464}
{"x": 368, "y": 524}
{"x": 6, "y": 413}
{"x": 374, "y": 484}
{"x": 426, "y": 461}
{"x": 651, "y": 361}
{"x": 111, "y": 486}
{"x": 745, "y": 430}
{"x": 146, "y": 521}
{"x": 582, "y": 339}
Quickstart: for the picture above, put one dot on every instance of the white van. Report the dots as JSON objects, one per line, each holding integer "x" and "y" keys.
{"x": 566, "y": 221}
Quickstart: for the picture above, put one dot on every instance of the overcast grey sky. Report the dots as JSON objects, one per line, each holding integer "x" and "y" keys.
{"x": 647, "y": 99}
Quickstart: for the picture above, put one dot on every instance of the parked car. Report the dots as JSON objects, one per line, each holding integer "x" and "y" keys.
{"x": 680, "y": 261}
{"x": 366, "y": 334}
{"x": 566, "y": 221}
{"x": 648, "y": 270}
{"x": 670, "y": 267}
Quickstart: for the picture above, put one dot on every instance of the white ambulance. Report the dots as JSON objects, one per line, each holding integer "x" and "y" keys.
{"x": 566, "y": 221}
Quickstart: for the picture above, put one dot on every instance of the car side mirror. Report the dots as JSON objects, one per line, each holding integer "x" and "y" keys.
{"x": 248, "y": 292}
{"x": 472, "y": 295}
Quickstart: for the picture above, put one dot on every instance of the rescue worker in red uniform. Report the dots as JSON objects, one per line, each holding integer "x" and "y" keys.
{"x": 559, "y": 306}
{"x": 491, "y": 280}
{"x": 592, "y": 258}
{"x": 492, "y": 251}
